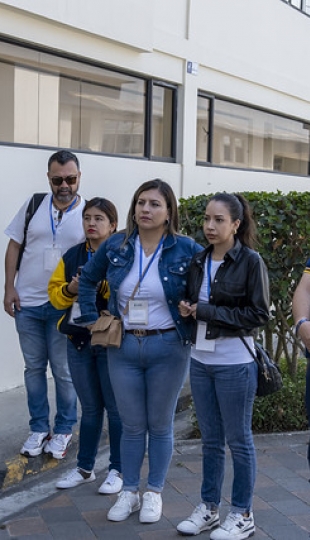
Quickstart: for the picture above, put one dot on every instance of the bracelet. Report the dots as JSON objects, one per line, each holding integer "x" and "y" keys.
{"x": 298, "y": 325}
{"x": 66, "y": 292}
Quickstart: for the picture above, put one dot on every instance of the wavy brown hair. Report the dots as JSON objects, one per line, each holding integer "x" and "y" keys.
{"x": 166, "y": 191}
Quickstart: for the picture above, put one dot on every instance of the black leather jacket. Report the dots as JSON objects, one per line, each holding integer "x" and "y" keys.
{"x": 239, "y": 295}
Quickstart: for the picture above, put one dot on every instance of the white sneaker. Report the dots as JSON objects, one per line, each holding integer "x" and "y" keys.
{"x": 112, "y": 484}
{"x": 75, "y": 478}
{"x": 35, "y": 443}
{"x": 151, "y": 507}
{"x": 127, "y": 503}
{"x": 202, "y": 519}
{"x": 58, "y": 445}
{"x": 235, "y": 527}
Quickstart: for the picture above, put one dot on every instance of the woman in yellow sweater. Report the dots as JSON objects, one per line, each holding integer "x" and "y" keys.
{"x": 88, "y": 365}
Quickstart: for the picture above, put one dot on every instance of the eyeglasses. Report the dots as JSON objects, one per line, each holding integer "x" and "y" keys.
{"x": 58, "y": 180}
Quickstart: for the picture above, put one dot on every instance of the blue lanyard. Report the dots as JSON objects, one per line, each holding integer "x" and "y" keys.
{"x": 143, "y": 274}
{"x": 53, "y": 227}
{"x": 88, "y": 250}
{"x": 209, "y": 267}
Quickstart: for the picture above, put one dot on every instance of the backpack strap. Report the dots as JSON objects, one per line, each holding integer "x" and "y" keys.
{"x": 32, "y": 207}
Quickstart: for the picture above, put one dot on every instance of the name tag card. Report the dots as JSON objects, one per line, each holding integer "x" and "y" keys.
{"x": 75, "y": 313}
{"x": 138, "y": 312}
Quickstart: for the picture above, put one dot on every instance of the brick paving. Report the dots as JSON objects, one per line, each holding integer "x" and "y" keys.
{"x": 281, "y": 501}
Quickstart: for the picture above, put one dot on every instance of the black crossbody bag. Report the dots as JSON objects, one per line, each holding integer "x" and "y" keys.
{"x": 269, "y": 378}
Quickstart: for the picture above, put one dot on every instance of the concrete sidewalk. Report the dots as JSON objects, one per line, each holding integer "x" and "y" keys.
{"x": 32, "y": 508}
{"x": 281, "y": 502}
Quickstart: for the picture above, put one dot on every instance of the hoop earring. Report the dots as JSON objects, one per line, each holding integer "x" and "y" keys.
{"x": 167, "y": 222}
{"x": 134, "y": 218}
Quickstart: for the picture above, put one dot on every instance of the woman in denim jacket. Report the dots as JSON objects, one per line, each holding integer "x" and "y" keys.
{"x": 149, "y": 369}
{"x": 227, "y": 296}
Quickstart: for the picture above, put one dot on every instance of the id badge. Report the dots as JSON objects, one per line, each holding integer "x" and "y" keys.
{"x": 138, "y": 312}
{"x": 75, "y": 313}
{"x": 52, "y": 256}
{"x": 203, "y": 344}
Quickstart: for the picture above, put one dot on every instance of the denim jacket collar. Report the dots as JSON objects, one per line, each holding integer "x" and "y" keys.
{"x": 169, "y": 241}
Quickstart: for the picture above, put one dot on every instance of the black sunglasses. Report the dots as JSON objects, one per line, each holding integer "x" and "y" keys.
{"x": 58, "y": 180}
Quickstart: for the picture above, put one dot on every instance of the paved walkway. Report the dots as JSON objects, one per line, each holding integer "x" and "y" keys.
{"x": 281, "y": 502}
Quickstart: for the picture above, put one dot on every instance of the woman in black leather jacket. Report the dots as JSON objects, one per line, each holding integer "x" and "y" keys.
{"x": 227, "y": 296}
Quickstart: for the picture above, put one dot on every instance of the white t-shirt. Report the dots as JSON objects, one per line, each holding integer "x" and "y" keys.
{"x": 227, "y": 350}
{"x": 151, "y": 289}
{"x": 33, "y": 276}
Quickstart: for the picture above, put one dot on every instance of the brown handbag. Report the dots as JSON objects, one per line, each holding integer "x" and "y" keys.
{"x": 107, "y": 331}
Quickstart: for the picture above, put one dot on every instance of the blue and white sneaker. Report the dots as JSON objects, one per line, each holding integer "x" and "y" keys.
{"x": 235, "y": 527}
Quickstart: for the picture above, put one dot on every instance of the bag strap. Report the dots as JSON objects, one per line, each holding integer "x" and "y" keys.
{"x": 136, "y": 287}
{"x": 245, "y": 343}
{"x": 32, "y": 207}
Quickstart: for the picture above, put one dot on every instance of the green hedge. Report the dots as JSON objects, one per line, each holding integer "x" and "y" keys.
{"x": 285, "y": 410}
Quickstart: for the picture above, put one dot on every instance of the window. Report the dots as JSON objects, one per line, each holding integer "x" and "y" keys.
{"x": 163, "y": 119}
{"x": 47, "y": 100}
{"x": 302, "y": 5}
{"x": 249, "y": 138}
{"x": 202, "y": 131}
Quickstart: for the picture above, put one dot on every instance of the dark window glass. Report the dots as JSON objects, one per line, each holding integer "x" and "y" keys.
{"x": 202, "y": 130}
{"x": 249, "y": 138}
{"x": 162, "y": 121}
{"x": 48, "y": 100}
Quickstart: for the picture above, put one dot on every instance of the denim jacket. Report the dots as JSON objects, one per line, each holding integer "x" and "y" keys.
{"x": 114, "y": 259}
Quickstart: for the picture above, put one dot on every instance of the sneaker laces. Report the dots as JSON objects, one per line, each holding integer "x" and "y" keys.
{"x": 72, "y": 474}
{"x": 198, "y": 513}
{"x": 60, "y": 439}
{"x": 150, "y": 500}
{"x": 123, "y": 498}
{"x": 111, "y": 478}
{"x": 231, "y": 520}
{"x": 76, "y": 473}
{"x": 35, "y": 436}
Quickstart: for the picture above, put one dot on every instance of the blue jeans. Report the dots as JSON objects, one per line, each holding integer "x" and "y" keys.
{"x": 307, "y": 399}
{"x": 147, "y": 375}
{"x": 223, "y": 397}
{"x": 89, "y": 371}
{"x": 41, "y": 343}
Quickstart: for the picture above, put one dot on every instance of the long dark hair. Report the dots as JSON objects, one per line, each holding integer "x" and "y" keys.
{"x": 166, "y": 191}
{"x": 239, "y": 208}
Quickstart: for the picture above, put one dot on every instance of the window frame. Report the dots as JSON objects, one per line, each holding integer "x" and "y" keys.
{"x": 210, "y": 163}
{"x": 149, "y": 84}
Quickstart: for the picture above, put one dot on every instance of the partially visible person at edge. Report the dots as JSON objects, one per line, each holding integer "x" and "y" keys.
{"x": 301, "y": 314}
{"x": 228, "y": 296}
{"x": 53, "y": 229}
{"x": 149, "y": 369}
{"x": 88, "y": 365}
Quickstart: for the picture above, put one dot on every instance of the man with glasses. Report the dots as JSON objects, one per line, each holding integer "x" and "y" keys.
{"x": 55, "y": 226}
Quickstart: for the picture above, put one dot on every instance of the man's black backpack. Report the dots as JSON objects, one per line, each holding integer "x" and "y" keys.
{"x": 32, "y": 207}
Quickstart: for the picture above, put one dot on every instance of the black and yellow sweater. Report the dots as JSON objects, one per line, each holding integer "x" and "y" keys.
{"x": 57, "y": 290}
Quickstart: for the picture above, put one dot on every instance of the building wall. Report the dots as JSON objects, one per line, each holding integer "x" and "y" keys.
{"x": 253, "y": 52}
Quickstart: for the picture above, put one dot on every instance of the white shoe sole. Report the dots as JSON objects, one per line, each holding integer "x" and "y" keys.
{"x": 122, "y": 517}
